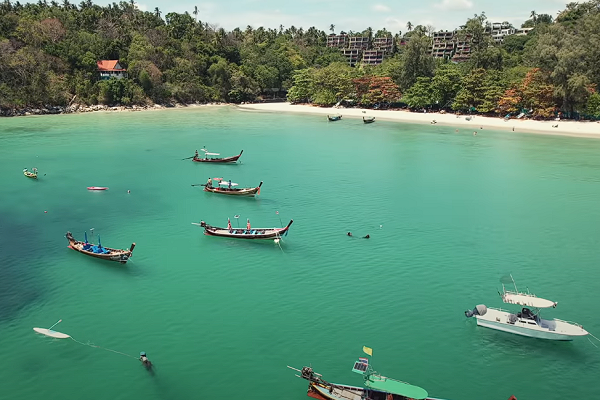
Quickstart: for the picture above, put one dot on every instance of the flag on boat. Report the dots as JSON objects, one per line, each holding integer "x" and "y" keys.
{"x": 228, "y": 224}
{"x": 248, "y": 224}
{"x": 363, "y": 360}
{"x": 368, "y": 350}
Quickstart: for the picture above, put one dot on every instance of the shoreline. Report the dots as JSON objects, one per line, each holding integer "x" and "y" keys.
{"x": 589, "y": 129}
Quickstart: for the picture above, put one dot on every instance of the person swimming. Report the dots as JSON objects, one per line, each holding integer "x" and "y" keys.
{"x": 144, "y": 359}
{"x": 349, "y": 233}
{"x": 366, "y": 237}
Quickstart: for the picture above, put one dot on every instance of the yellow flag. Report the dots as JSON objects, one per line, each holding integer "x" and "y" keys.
{"x": 368, "y": 350}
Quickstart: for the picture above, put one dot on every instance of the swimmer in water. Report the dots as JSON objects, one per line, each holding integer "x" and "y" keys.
{"x": 366, "y": 237}
{"x": 349, "y": 233}
{"x": 144, "y": 359}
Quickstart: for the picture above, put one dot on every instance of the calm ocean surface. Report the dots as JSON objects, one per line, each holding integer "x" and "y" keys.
{"x": 448, "y": 214}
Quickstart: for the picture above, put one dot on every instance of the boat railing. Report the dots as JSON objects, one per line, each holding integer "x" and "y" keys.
{"x": 569, "y": 322}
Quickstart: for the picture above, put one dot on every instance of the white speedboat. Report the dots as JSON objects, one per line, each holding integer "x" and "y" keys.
{"x": 527, "y": 322}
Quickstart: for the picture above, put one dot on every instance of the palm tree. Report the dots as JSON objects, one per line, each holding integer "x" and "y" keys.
{"x": 195, "y": 12}
{"x": 332, "y": 28}
{"x": 409, "y": 26}
{"x": 157, "y": 12}
{"x": 533, "y": 16}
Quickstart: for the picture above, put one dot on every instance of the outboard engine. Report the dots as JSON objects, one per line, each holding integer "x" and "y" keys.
{"x": 480, "y": 309}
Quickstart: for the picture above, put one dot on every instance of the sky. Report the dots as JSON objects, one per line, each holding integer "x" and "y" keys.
{"x": 354, "y": 15}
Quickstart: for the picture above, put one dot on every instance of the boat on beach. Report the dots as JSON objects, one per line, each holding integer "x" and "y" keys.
{"x": 334, "y": 118}
{"x": 211, "y": 157}
{"x": 30, "y": 174}
{"x": 368, "y": 120}
{"x": 98, "y": 251}
{"x": 229, "y": 188}
{"x": 375, "y": 386}
{"x": 526, "y": 322}
{"x": 248, "y": 233}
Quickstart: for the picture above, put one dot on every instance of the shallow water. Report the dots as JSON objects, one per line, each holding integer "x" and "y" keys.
{"x": 448, "y": 213}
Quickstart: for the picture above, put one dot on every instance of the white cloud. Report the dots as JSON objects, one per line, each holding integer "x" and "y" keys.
{"x": 141, "y": 7}
{"x": 381, "y": 8}
{"x": 454, "y": 5}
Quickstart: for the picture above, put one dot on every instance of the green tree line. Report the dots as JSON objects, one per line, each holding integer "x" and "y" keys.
{"x": 49, "y": 50}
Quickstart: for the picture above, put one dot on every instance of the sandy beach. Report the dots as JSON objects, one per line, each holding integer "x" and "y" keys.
{"x": 475, "y": 123}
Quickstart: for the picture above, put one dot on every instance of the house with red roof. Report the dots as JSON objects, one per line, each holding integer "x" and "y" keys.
{"x": 111, "y": 69}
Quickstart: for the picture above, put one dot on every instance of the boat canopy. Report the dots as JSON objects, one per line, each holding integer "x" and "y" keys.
{"x": 393, "y": 386}
{"x": 217, "y": 179}
{"x": 227, "y": 183}
{"x": 213, "y": 154}
{"x": 529, "y": 300}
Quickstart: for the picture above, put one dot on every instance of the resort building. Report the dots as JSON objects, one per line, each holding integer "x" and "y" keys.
{"x": 372, "y": 57}
{"x": 384, "y": 44}
{"x": 359, "y": 42}
{"x": 523, "y": 31}
{"x": 111, "y": 69}
{"x": 340, "y": 41}
{"x": 443, "y": 44}
{"x": 352, "y": 56}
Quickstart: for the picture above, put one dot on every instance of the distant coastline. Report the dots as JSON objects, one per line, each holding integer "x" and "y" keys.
{"x": 468, "y": 123}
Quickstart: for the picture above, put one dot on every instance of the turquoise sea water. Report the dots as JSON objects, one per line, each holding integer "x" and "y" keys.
{"x": 448, "y": 215}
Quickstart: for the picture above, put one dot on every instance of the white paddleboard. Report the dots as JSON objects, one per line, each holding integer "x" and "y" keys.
{"x": 54, "y": 334}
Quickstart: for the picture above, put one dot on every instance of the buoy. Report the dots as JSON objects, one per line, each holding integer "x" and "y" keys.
{"x": 45, "y": 212}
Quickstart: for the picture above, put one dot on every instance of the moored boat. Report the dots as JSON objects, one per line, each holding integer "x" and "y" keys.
{"x": 334, "y": 118}
{"x": 368, "y": 120}
{"x": 97, "y": 188}
{"x": 229, "y": 188}
{"x": 30, "y": 174}
{"x": 248, "y": 233}
{"x": 210, "y": 157}
{"x": 98, "y": 251}
{"x": 376, "y": 386}
{"x": 526, "y": 322}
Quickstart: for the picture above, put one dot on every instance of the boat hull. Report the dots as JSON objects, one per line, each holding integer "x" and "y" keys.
{"x": 218, "y": 160}
{"x": 548, "y": 329}
{"x": 117, "y": 255}
{"x": 344, "y": 392}
{"x": 252, "y": 234}
{"x": 30, "y": 175}
{"x": 243, "y": 192}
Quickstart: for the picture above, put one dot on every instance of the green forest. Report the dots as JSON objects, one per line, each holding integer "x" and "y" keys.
{"x": 49, "y": 50}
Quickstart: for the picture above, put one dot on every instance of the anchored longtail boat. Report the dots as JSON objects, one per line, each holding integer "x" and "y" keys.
{"x": 98, "y": 251}
{"x": 334, "y": 118}
{"x": 212, "y": 159}
{"x": 368, "y": 120}
{"x": 376, "y": 387}
{"x": 248, "y": 233}
{"x": 32, "y": 174}
{"x": 229, "y": 188}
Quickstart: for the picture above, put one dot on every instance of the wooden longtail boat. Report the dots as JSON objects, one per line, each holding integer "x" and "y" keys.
{"x": 216, "y": 160}
{"x": 32, "y": 174}
{"x": 368, "y": 120}
{"x": 334, "y": 118}
{"x": 248, "y": 233}
{"x": 376, "y": 387}
{"x": 105, "y": 253}
{"x": 229, "y": 188}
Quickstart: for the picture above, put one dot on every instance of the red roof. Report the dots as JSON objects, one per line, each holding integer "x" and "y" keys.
{"x": 108, "y": 65}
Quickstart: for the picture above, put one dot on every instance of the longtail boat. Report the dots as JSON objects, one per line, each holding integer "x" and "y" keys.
{"x": 248, "y": 233}
{"x": 229, "y": 188}
{"x": 376, "y": 387}
{"x": 212, "y": 159}
{"x": 334, "y": 118}
{"x": 368, "y": 120}
{"x": 30, "y": 174}
{"x": 98, "y": 251}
